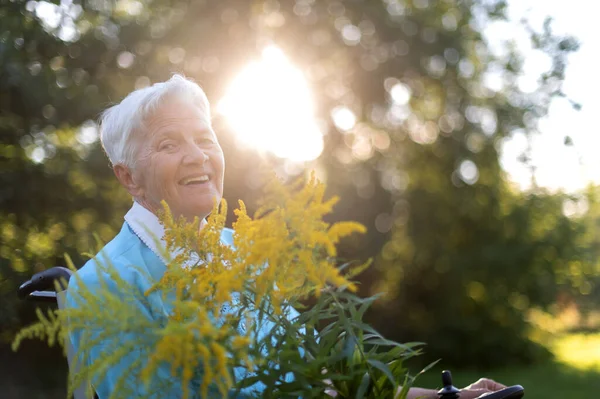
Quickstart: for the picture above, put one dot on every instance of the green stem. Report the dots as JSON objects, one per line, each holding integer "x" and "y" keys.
{"x": 369, "y": 368}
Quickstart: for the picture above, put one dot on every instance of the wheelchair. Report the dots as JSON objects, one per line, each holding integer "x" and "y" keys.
{"x": 42, "y": 288}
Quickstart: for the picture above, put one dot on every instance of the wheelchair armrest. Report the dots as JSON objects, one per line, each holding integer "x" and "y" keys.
{"x": 42, "y": 296}
{"x": 44, "y": 282}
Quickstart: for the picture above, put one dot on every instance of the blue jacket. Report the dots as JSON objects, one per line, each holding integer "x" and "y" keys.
{"x": 137, "y": 265}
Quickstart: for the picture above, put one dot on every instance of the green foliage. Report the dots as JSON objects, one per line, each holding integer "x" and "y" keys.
{"x": 329, "y": 348}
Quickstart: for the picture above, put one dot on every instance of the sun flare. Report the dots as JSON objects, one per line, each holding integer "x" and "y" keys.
{"x": 269, "y": 107}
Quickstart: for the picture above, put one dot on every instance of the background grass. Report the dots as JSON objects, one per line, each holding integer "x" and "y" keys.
{"x": 575, "y": 373}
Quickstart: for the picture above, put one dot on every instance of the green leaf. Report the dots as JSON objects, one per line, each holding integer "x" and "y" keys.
{"x": 383, "y": 368}
{"x": 363, "y": 387}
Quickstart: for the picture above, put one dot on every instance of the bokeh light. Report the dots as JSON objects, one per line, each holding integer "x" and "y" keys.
{"x": 400, "y": 94}
{"x": 343, "y": 118}
{"x": 468, "y": 171}
{"x": 270, "y": 108}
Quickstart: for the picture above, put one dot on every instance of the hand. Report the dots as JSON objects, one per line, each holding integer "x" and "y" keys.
{"x": 483, "y": 385}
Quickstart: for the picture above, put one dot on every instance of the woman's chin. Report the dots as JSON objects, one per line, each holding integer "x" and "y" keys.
{"x": 199, "y": 188}
{"x": 199, "y": 193}
{"x": 200, "y": 209}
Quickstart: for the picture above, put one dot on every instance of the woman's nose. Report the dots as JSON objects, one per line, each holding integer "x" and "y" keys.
{"x": 195, "y": 154}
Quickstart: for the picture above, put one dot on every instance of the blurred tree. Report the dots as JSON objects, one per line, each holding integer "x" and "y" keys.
{"x": 577, "y": 277}
{"x": 415, "y": 103}
{"x": 55, "y": 188}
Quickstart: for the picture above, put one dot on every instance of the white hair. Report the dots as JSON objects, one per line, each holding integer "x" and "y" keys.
{"x": 122, "y": 125}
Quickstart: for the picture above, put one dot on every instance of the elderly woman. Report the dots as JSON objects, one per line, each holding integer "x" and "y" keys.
{"x": 162, "y": 146}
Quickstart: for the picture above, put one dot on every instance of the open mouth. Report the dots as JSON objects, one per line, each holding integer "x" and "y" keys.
{"x": 195, "y": 180}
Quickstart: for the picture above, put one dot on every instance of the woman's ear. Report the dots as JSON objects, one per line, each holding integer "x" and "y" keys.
{"x": 127, "y": 180}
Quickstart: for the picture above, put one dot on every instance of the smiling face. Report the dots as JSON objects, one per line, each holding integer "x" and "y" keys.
{"x": 179, "y": 161}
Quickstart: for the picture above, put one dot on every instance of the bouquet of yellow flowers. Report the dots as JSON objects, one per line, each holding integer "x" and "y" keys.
{"x": 236, "y": 317}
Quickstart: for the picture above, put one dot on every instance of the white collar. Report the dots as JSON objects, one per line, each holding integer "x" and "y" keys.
{"x": 147, "y": 227}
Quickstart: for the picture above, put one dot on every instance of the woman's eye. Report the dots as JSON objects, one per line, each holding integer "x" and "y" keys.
{"x": 166, "y": 146}
{"x": 204, "y": 140}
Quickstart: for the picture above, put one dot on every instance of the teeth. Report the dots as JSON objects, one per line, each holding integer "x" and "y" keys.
{"x": 196, "y": 179}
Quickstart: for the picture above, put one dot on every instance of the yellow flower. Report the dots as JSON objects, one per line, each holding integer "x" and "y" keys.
{"x": 285, "y": 251}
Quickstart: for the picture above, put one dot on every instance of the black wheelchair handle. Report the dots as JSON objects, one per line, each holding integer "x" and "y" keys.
{"x": 449, "y": 391}
{"x": 44, "y": 283}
